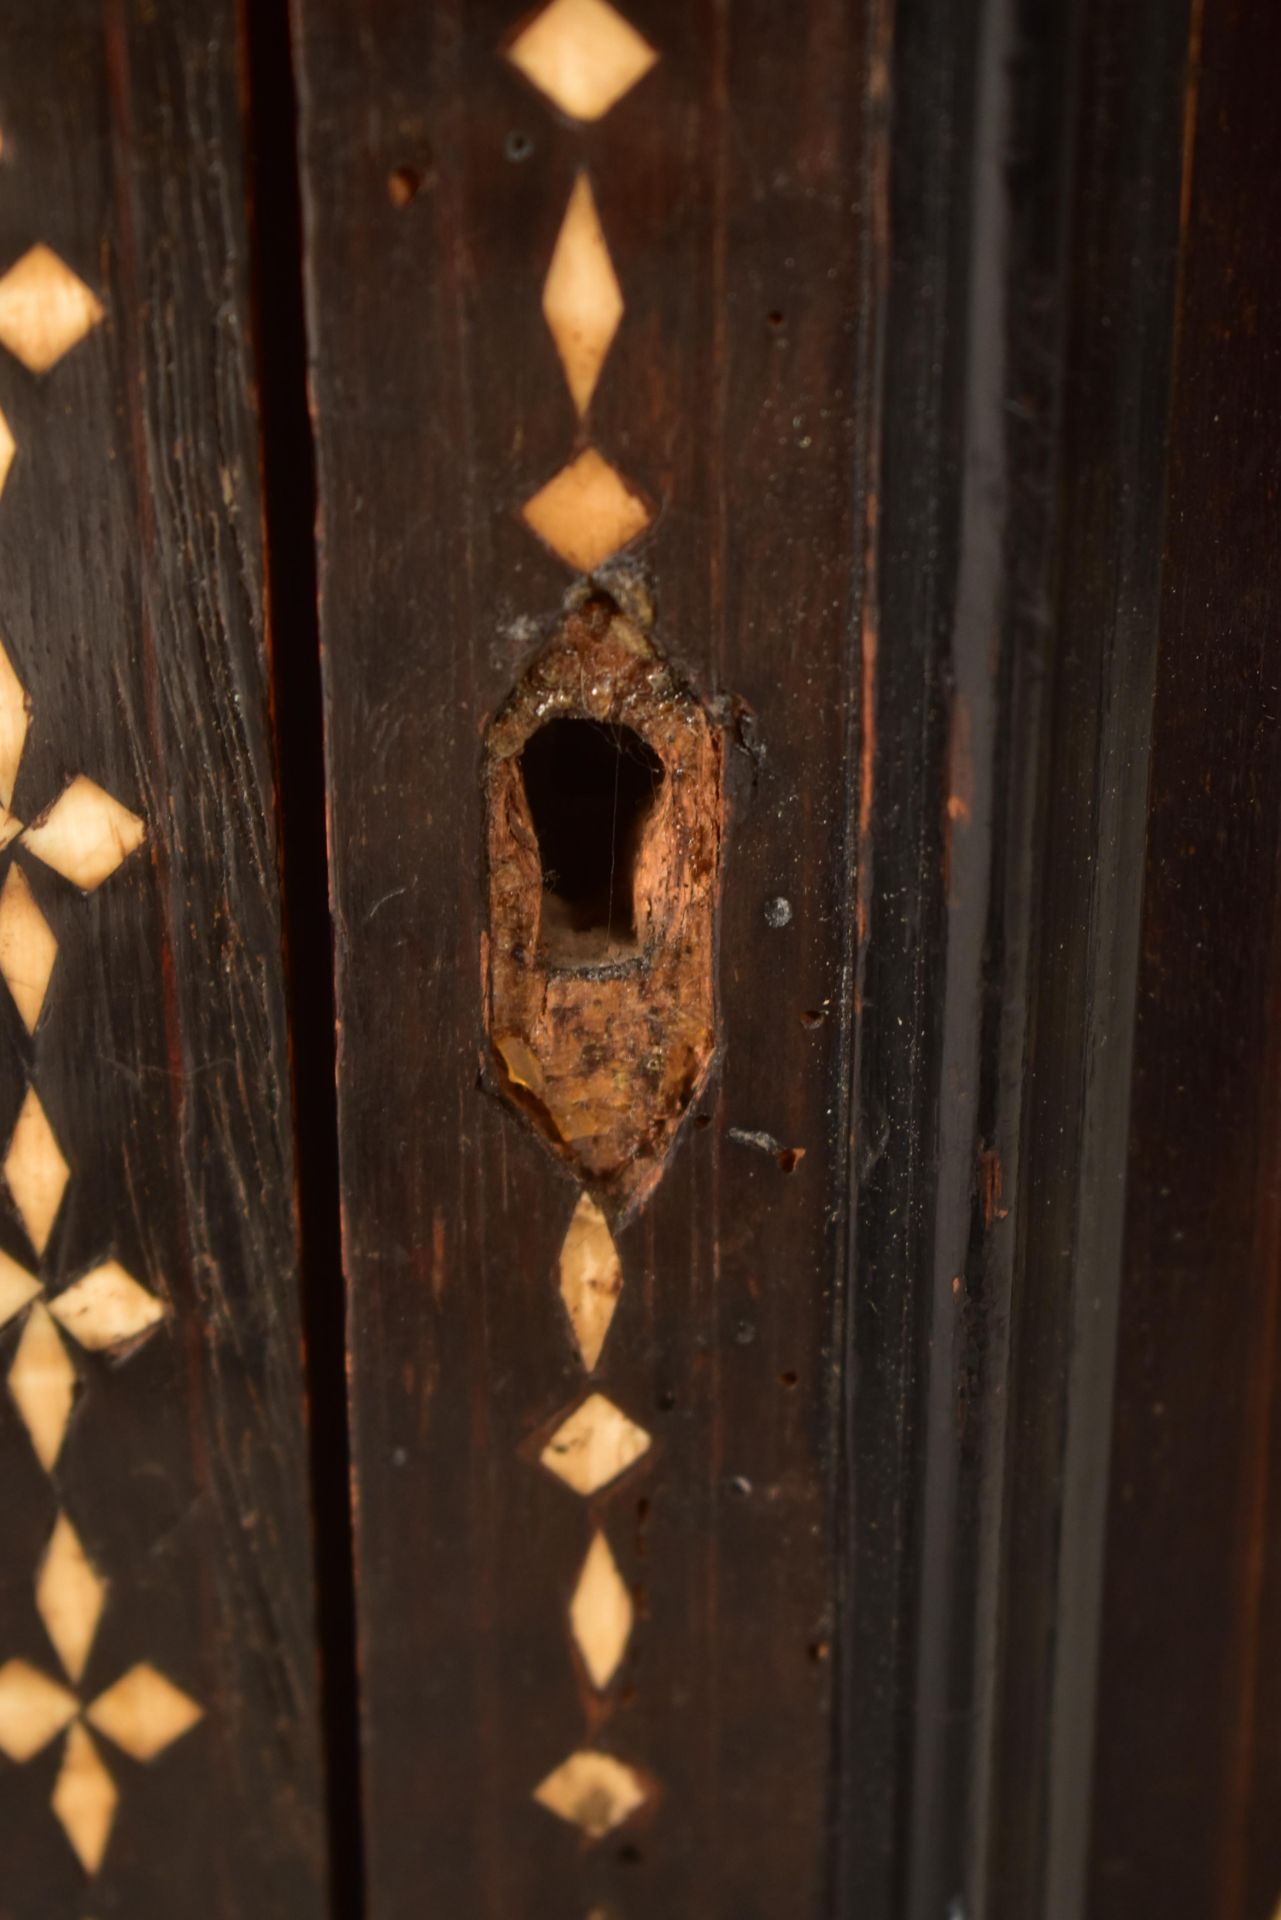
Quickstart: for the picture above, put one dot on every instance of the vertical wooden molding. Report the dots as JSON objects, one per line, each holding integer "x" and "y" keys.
{"x": 157, "y": 1663}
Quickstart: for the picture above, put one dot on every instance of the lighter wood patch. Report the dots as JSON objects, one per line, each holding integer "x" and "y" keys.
{"x": 45, "y": 309}
{"x": 591, "y": 1278}
{"x": 28, "y": 947}
{"x": 601, "y": 1613}
{"x": 582, "y": 300}
{"x": 84, "y": 1799}
{"x": 594, "y": 1445}
{"x": 593, "y": 1791}
{"x": 587, "y": 512}
{"x": 583, "y": 55}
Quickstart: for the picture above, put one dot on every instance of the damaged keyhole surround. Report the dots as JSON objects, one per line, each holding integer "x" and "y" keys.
{"x": 604, "y": 804}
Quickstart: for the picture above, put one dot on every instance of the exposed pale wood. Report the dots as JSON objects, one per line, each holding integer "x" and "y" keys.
{"x": 607, "y": 1059}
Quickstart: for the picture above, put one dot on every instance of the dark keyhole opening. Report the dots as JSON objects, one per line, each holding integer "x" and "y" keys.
{"x": 590, "y": 788}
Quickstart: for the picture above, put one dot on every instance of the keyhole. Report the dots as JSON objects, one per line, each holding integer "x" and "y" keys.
{"x": 590, "y": 788}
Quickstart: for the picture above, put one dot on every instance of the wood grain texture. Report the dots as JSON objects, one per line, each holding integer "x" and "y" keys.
{"x": 131, "y": 564}
{"x": 735, "y": 397}
{"x": 1188, "y": 1783}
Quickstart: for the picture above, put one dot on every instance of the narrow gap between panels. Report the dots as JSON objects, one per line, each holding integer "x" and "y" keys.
{"x": 289, "y": 487}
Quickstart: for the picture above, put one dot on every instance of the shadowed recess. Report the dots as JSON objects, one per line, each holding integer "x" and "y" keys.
{"x": 590, "y": 787}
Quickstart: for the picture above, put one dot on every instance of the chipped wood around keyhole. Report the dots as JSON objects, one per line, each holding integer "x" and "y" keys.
{"x": 605, "y": 1053}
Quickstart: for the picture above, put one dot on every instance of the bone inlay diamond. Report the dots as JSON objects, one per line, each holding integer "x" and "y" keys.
{"x": 582, "y": 301}
{"x": 106, "y": 1308}
{"x": 42, "y": 1382}
{"x": 591, "y": 1278}
{"x": 36, "y": 1171}
{"x": 144, "y": 1713}
{"x": 594, "y": 1445}
{"x": 28, "y": 948}
{"x": 84, "y": 1799}
{"x": 17, "y": 1288}
{"x": 8, "y": 447}
{"x": 33, "y": 1709}
{"x": 586, "y": 512}
{"x": 15, "y": 718}
{"x": 601, "y": 1613}
{"x": 583, "y": 55}
{"x": 70, "y": 1597}
{"x": 85, "y": 834}
{"x": 45, "y": 309}
{"x": 592, "y": 1791}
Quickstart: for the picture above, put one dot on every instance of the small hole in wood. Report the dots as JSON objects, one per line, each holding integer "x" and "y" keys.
{"x": 787, "y": 1379}
{"x": 403, "y": 186}
{"x": 790, "y": 1158}
{"x": 518, "y": 146}
{"x": 775, "y": 318}
{"x": 702, "y": 1120}
{"x": 814, "y": 1016}
{"x": 590, "y": 788}
{"x": 630, "y": 1856}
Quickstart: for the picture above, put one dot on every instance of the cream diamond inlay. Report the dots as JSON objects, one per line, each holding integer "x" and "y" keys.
{"x": 17, "y": 1288}
{"x": 582, "y": 301}
{"x": 85, "y": 834}
{"x": 70, "y": 1597}
{"x": 33, "y": 1710}
{"x": 36, "y": 1172}
{"x": 593, "y": 1791}
{"x": 107, "y": 1308}
{"x": 601, "y": 1613}
{"x": 28, "y": 948}
{"x": 15, "y": 719}
{"x": 45, "y": 309}
{"x": 583, "y": 55}
{"x": 591, "y": 1278}
{"x": 586, "y": 512}
{"x": 8, "y": 447}
{"x": 84, "y": 1799}
{"x": 594, "y": 1445}
{"x": 144, "y": 1713}
{"x": 42, "y": 1382}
